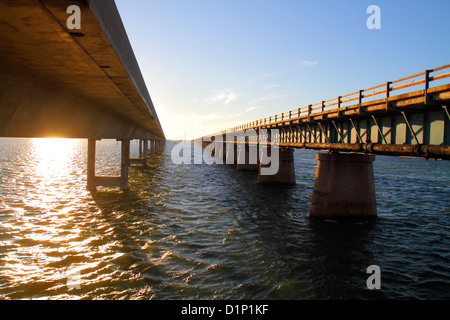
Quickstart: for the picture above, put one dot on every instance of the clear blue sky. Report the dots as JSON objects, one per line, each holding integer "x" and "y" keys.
{"x": 214, "y": 64}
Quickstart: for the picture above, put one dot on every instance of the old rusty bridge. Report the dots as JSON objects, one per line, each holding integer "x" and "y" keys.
{"x": 74, "y": 83}
{"x": 403, "y": 117}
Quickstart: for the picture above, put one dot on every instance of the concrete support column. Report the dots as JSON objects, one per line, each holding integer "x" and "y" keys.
{"x": 91, "y": 165}
{"x": 152, "y": 147}
{"x": 145, "y": 155}
{"x": 245, "y": 154}
{"x": 94, "y": 181}
{"x": 286, "y": 171}
{"x": 344, "y": 186}
{"x": 124, "y": 165}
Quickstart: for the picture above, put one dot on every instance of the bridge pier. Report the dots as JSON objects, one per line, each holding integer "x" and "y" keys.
{"x": 146, "y": 151}
{"x": 344, "y": 186}
{"x": 91, "y": 165}
{"x": 143, "y": 153}
{"x": 152, "y": 147}
{"x": 94, "y": 181}
{"x": 231, "y": 153}
{"x": 246, "y": 162}
{"x": 124, "y": 165}
{"x": 140, "y": 147}
{"x": 286, "y": 171}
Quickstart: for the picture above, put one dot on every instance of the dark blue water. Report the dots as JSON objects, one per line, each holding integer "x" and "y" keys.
{"x": 210, "y": 232}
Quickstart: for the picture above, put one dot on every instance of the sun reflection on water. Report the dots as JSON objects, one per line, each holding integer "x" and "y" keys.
{"x": 53, "y": 155}
{"x": 45, "y": 228}
{"x": 50, "y": 169}
{"x": 53, "y": 231}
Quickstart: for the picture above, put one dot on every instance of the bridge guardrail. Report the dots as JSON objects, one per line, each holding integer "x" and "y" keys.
{"x": 360, "y": 97}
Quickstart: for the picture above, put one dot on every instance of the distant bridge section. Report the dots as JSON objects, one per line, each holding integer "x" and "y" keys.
{"x": 61, "y": 82}
{"x": 405, "y": 117}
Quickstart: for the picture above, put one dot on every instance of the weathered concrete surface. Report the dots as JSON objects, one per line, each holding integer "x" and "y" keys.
{"x": 344, "y": 186}
{"x": 70, "y": 83}
{"x": 286, "y": 170}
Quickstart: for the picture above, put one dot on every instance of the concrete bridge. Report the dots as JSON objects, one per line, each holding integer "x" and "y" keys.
{"x": 59, "y": 81}
{"x": 403, "y": 117}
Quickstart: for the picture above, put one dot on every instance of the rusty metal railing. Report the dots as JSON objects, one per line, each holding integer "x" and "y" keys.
{"x": 358, "y": 98}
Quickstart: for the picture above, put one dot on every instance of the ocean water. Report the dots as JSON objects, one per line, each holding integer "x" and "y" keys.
{"x": 210, "y": 232}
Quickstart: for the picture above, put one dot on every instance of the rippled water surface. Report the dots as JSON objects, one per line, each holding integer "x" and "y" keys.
{"x": 210, "y": 232}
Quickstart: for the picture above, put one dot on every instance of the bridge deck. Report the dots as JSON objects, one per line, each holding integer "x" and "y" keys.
{"x": 70, "y": 83}
{"x": 413, "y": 123}
{"x": 427, "y": 99}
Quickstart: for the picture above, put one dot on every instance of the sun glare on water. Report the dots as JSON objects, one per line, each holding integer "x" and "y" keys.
{"x": 53, "y": 162}
{"x": 47, "y": 220}
{"x": 53, "y": 155}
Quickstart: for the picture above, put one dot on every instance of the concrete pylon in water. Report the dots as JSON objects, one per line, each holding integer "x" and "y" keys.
{"x": 286, "y": 171}
{"x": 344, "y": 186}
{"x": 248, "y": 159}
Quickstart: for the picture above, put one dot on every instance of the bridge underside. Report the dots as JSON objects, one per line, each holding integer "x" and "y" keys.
{"x": 56, "y": 82}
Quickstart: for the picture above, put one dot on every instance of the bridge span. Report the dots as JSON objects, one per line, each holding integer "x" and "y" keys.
{"x": 56, "y": 81}
{"x": 404, "y": 117}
